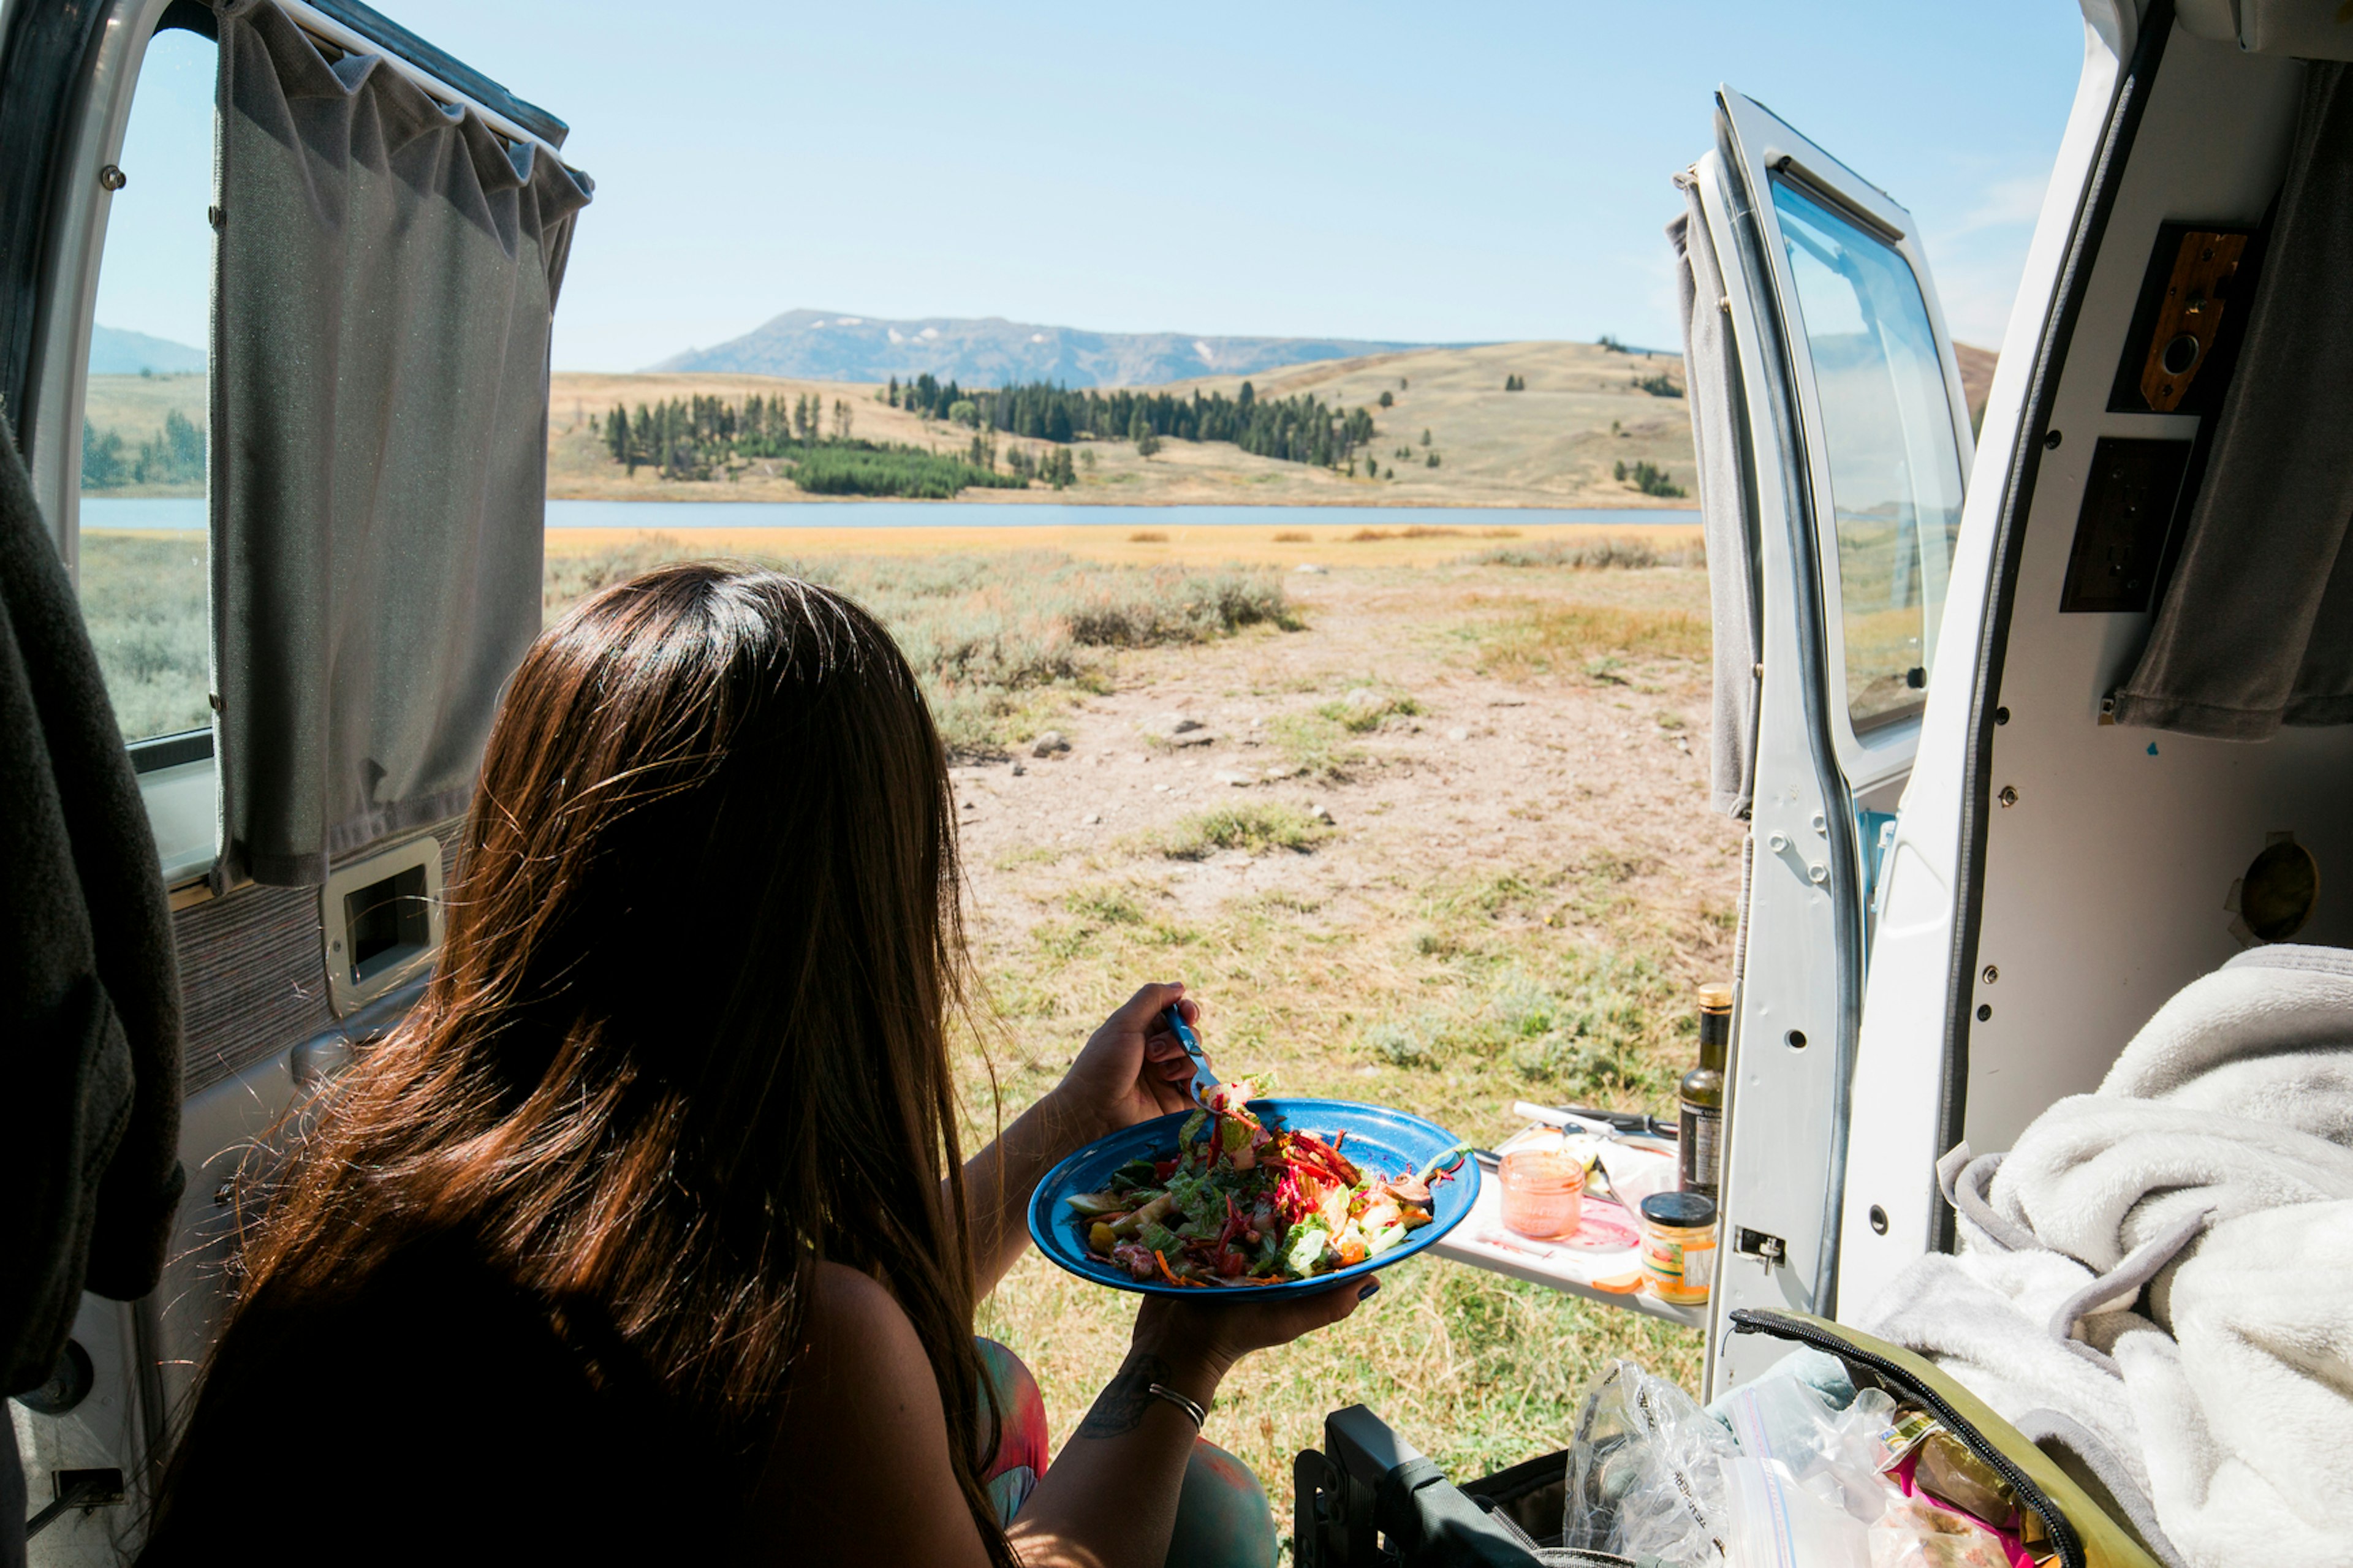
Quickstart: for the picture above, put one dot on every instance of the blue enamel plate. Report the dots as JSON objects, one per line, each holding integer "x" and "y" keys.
{"x": 1390, "y": 1142}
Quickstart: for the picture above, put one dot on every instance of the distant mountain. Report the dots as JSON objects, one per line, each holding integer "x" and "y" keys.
{"x": 113, "y": 351}
{"x": 825, "y": 345}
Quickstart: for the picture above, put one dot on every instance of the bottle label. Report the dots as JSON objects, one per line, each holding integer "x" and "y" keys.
{"x": 1699, "y": 1131}
{"x": 1678, "y": 1264}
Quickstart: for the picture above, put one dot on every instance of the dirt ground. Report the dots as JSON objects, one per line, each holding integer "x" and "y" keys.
{"x": 1492, "y": 772}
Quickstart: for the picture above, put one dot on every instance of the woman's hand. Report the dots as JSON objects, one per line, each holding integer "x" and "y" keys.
{"x": 1214, "y": 1334}
{"x": 1130, "y": 1069}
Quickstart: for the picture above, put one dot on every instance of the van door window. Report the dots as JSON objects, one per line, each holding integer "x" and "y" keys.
{"x": 143, "y": 541}
{"x": 1895, "y": 467}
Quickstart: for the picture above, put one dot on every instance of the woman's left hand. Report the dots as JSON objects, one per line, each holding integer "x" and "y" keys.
{"x": 1130, "y": 1069}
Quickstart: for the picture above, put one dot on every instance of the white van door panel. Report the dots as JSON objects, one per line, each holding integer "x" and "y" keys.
{"x": 1902, "y": 1116}
{"x": 1859, "y": 444}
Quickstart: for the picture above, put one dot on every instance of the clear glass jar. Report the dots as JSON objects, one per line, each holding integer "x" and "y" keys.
{"x": 1544, "y": 1191}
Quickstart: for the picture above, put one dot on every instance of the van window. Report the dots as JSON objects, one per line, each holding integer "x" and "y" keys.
{"x": 1894, "y": 459}
{"x": 142, "y": 540}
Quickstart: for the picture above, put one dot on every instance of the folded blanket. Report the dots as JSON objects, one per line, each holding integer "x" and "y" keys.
{"x": 2157, "y": 1281}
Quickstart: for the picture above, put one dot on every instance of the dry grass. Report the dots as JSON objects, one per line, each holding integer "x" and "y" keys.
{"x": 1553, "y": 638}
{"x": 1293, "y": 536}
{"x": 1430, "y": 995}
{"x": 143, "y": 597}
{"x": 1430, "y": 530}
{"x": 1147, "y": 536}
{"x": 1596, "y": 554}
{"x": 1254, "y": 827}
{"x": 999, "y": 640}
{"x": 1205, "y": 545}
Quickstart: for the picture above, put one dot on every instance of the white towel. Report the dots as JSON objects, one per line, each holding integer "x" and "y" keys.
{"x": 2214, "y": 1166}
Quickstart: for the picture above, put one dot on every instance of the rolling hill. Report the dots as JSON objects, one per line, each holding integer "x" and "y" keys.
{"x": 825, "y": 345}
{"x": 1556, "y": 444}
{"x": 113, "y": 351}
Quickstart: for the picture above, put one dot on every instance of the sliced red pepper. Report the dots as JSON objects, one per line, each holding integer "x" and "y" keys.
{"x": 1164, "y": 1169}
{"x": 1325, "y": 1153}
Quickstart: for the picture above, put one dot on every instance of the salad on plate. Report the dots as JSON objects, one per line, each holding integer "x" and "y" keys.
{"x": 1241, "y": 1204}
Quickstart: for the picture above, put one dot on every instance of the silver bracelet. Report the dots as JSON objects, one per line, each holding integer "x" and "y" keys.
{"x": 1190, "y": 1407}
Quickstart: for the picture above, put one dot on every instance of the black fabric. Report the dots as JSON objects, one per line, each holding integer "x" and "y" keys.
{"x": 386, "y": 272}
{"x": 1431, "y": 1524}
{"x": 2256, "y": 628}
{"x": 13, "y": 1511}
{"x": 433, "y": 1414}
{"x": 89, "y": 994}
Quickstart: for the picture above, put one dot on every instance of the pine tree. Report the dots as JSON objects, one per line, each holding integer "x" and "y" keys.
{"x": 895, "y": 391}
{"x": 1389, "y": 398}
{"x": 1425, "y": 437}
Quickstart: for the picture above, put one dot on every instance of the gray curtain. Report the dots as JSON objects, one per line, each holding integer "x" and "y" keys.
{"x": 386, "y": 272}
{"x": 2256, "y": 628}
{"x": 1712, "y": 380}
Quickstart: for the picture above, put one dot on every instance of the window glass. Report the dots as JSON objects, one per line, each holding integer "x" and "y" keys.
{"x": 144, "y": 535}
{"x": 1895, "y": 460}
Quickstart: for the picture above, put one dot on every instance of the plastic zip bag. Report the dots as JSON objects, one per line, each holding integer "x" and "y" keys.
{"x": 1834, "y": 1455}
{"x": 1772, "y": 1522}
{"x": 1645, "y": 1475}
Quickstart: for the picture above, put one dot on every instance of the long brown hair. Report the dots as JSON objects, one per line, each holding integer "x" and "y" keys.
{"x": 687, "y": 1033}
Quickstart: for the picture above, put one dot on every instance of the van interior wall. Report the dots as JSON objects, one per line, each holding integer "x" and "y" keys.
{"x": 2111, "y": 873}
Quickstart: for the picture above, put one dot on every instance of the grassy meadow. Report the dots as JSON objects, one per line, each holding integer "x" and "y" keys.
{"x": 144, "y": 598}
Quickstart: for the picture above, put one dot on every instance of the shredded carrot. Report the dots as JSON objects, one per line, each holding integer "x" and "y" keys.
{"x": 1165, "y": 1274}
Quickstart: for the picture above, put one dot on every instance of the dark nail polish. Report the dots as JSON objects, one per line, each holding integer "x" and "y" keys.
{"x": 1366, "y": 1293}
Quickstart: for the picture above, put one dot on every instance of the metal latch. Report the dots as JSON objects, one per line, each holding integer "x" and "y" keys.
{"x": 1769, "y": 1250}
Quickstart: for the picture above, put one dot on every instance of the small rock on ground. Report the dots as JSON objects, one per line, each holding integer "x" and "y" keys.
{"x": 1048, "y": 744}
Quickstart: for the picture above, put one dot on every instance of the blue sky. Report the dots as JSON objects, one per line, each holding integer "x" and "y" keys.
{"x": 1380, "y": 171}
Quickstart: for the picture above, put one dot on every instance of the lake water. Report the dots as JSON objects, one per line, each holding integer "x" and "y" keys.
{"x": 101, "y": 512}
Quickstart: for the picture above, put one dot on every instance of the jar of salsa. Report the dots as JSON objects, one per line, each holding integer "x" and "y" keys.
{"x": 1544, "y": 1191}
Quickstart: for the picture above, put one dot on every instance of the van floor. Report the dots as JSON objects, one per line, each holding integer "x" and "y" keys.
{"x": 1519, "y": 887}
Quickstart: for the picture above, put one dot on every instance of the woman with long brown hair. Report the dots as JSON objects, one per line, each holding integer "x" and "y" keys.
{"x": 647, "y": 1232}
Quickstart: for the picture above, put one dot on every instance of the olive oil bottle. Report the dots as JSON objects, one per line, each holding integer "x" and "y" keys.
{"x": 1700, "y": 1126}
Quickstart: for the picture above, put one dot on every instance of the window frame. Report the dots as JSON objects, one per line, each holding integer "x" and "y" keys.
{"x": 1773, "y": 154}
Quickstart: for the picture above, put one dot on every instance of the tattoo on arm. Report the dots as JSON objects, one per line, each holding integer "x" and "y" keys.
{"x": 1120, "y": 1406}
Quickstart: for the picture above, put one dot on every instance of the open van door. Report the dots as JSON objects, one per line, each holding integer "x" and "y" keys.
{"x": 1834, "y": 440}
